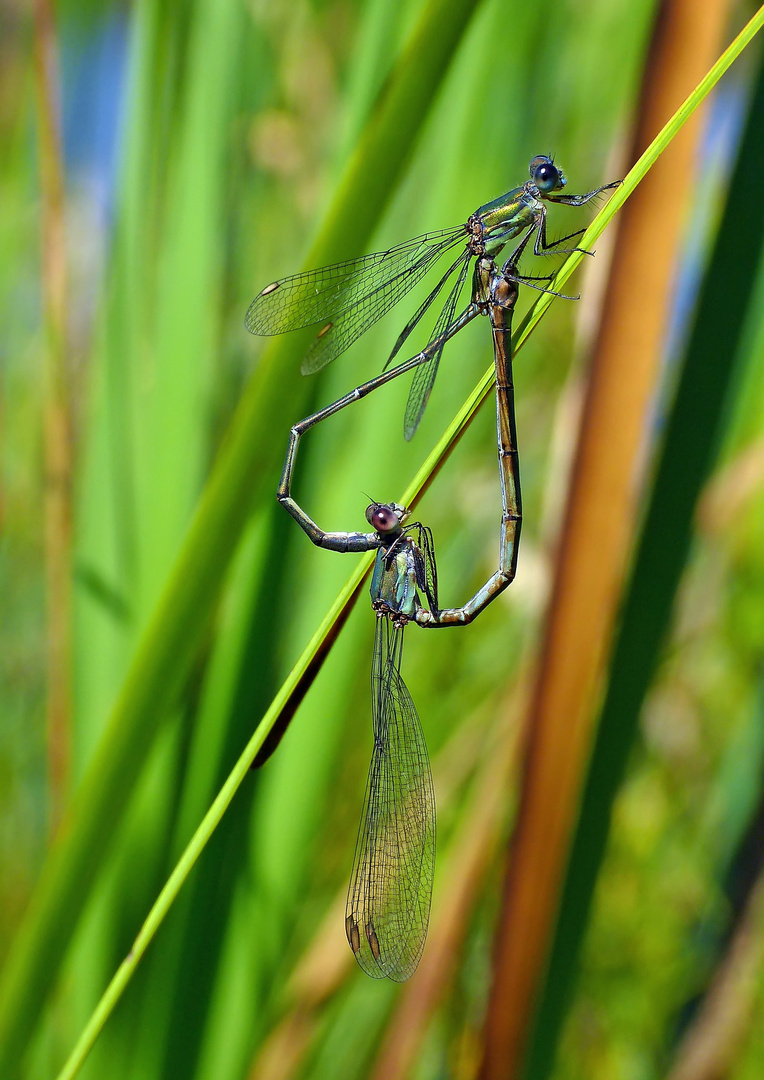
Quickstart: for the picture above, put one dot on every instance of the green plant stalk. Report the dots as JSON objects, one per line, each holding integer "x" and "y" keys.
{"x": 309, "y": 663}
{"x": 168, "y": 646}
{"x": 691, "y": 441}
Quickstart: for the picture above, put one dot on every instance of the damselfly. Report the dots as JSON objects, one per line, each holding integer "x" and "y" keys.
{"x": 388, "y": 903}
{"x": 349, "y": 297}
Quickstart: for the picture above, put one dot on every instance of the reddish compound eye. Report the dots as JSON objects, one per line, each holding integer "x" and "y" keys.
{"x": 382, "y": 518}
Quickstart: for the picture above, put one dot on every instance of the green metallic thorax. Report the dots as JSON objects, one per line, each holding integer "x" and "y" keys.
{"x": 508, "y": 216}
{"x": 393, "y": 583}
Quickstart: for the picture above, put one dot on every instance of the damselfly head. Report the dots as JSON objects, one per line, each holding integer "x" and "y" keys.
{"x": 546, "y": 175}
{"x": 386, "y": 517}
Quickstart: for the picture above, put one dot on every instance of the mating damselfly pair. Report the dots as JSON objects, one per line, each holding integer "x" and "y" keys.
{"x": 391, "y": 885}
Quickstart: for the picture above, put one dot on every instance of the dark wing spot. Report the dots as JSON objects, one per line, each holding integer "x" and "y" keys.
{"x": 371, "y": 934}
{"x": 324, "y": 330}
{"x": 351, "y": 930}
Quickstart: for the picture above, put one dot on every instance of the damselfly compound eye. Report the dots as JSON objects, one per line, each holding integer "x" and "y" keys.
{"x": 382, "y": 518}
{"x": 545, "y": 175}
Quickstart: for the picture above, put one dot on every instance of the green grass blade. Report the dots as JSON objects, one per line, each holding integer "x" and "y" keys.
{"x": 691, "y": 441}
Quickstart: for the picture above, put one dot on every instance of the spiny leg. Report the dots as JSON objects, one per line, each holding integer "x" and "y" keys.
{"x": 541, "y": 244}
{"x": 352, "y": 541}
{"x": 509, "y": 269}
{"x": 582, "y": 200}
{"x": 542, "y": 247}
{"x": 333, "y": 541}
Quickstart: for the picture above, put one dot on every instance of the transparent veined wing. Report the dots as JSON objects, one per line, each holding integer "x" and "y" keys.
{"x": 369, "y": 301}
{"x": 424, "y": 562}
{"x": 388, "y": 904}
{"x": 424, "y": 375}
{"x": 346, "y": 297}
{"x": 419, "y": 314}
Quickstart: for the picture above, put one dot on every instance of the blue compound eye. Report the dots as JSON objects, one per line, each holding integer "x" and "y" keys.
{"x": 545, "y": 174}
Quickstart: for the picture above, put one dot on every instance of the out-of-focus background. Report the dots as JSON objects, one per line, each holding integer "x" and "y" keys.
{"x": 159, "y": 164}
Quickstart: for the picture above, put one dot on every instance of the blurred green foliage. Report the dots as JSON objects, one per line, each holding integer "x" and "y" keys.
{"x": 204, "y": 144}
